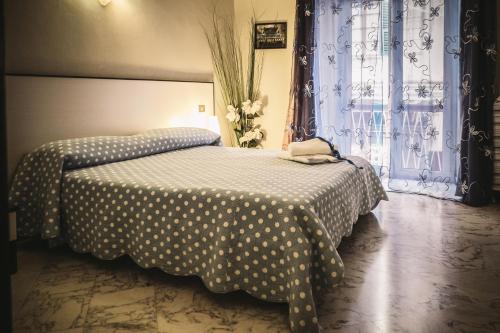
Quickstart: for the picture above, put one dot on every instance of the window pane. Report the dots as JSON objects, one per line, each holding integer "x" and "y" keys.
{"x": 423, "y": 81}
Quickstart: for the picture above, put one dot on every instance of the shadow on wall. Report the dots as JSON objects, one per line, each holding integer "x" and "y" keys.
{"x": 138, "y": 39}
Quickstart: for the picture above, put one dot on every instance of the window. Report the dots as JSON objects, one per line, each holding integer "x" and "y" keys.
{"x": 386, "y": 83}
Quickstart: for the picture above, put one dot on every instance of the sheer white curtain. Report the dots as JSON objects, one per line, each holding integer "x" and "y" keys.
{"x": 387, "y": 88}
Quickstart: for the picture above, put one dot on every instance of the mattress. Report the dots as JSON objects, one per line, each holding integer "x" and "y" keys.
{"x": 240, "y": 219}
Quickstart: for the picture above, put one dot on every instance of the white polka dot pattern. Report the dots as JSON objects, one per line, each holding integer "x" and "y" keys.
{"x": 35, "y": 191}
{"x": 239, "y": 219}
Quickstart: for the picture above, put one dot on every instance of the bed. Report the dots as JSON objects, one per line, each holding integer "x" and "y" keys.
{"x": 175, "y": 199}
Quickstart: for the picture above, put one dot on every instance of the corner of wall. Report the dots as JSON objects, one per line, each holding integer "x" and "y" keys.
{"x": 277, "y": 67}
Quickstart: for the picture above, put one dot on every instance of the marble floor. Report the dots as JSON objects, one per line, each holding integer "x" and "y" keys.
{"x": 415, "y": 264}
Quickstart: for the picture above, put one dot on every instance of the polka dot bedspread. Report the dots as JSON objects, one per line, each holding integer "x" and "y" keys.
{"x": 175, "y": 199}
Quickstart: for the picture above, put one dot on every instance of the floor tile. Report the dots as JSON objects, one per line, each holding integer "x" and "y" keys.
{"x": 415, "y": 264}
{"x": 126, "y": 309}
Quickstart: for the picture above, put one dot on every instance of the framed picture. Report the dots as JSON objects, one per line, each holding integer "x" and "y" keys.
{"x": 271, "y": 35}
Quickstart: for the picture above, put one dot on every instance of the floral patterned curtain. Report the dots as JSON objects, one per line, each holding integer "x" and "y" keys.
{"x": 386, "y": 87}
{"x": 478, "y": 30}
{"x": 300, "y": 121}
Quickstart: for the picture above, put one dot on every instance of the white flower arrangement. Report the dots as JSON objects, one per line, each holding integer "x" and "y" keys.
{"x": 233, "y": 114}
{"x": 239, "y": 87}
{"x": 251, "y": 108}
{"x": 252, "y": 135}
{"x": 242, "y": 119}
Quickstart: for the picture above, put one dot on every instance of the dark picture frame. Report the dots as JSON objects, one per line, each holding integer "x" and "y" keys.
{"x": 270, "y": 35}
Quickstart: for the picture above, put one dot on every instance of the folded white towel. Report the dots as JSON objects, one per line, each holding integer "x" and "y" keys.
{"x": 309, "y": 147}
{"x": 308, "y": 159}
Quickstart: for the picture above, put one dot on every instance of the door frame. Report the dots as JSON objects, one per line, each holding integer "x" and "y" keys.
{"x": 5, "y": 271}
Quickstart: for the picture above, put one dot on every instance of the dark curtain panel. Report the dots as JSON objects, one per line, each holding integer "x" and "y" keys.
{"x": 300, "y": 121}
{"x": 478, "y": 57}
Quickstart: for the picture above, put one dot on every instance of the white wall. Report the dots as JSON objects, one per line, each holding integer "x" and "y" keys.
{"x": 128, "y": 38}
{"x": 144, "y": 39}
{"x": 276, "y": 75}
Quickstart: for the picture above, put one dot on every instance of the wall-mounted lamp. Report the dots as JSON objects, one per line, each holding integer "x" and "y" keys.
{"x": 104, "y": 3}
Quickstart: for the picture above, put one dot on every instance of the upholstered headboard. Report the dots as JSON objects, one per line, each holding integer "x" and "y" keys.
{"x": 44, "y": 108}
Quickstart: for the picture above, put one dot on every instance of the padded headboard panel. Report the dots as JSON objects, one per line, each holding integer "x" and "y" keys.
{"x": 43, "y": 109}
